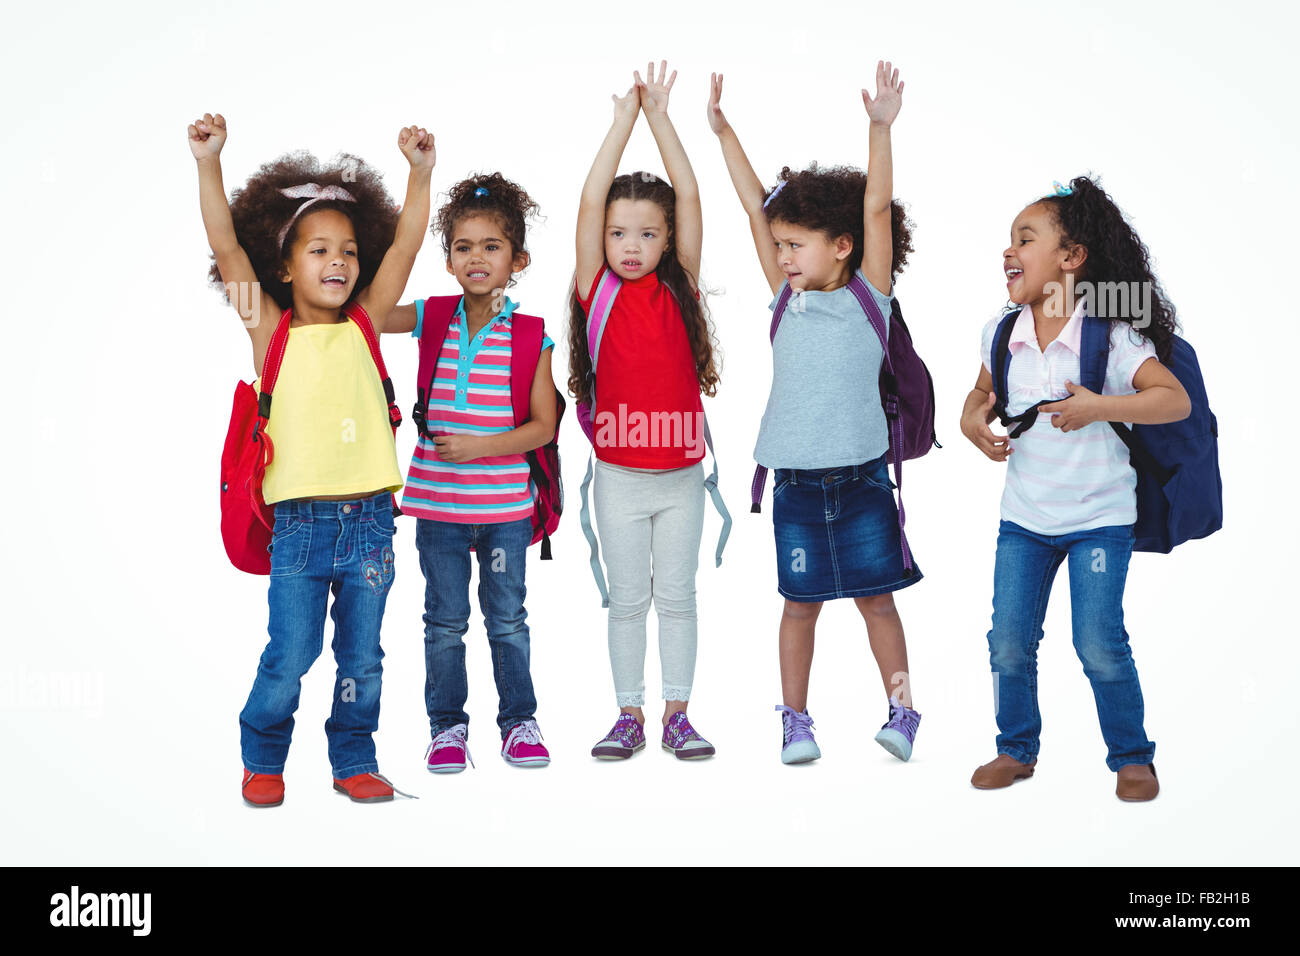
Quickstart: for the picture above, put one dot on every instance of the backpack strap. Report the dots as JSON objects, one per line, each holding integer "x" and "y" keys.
{"x": 271, "y": 369}
{"x": 1001, "y": 360}
{"x": 711, "y": 484}
{"x": 760, "y": 471}
{"x": 358, "y": 315}
{"x": 525, "y": 350}
{"x": 441, "y": 310}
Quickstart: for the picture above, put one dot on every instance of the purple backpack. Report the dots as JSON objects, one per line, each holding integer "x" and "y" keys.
{"x": 906, "y": 395}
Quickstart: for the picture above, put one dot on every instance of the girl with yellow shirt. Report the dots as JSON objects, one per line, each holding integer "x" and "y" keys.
{"x": 326, "y": 245}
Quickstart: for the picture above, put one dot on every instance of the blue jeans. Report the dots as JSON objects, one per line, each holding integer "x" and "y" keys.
{"x": 319, "y": 548}
{"x": 1022, "y": 582}
{"x": 502, "y": 551}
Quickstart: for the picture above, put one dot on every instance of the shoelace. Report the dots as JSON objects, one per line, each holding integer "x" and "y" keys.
{"x": 454, "y": 737}
{"x": 793, "y": 722}
{"x": 905, "y": 717}
{"x": 526, "y": 733}
{"x": 381, "y": 777}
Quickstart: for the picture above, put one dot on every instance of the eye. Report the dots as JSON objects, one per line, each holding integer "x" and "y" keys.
{"x": 492, "y": 247}
{"x": 647, "y": 235}
{"x": 617, "y": 233}
{"x": 1023, "y": 241}
{"x": 350, "y": 252}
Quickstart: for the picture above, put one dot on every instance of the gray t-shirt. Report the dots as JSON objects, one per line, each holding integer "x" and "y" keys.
{"x": 824, "y": 408}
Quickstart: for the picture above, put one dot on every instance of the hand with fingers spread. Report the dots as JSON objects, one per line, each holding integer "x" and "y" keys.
{"x": 975, "y": 426}
{"x": 416, "y": 144}
{"x": 717, "y": 122}
{"x": 207, "y": 135}
{"x": 654, "y": 92}
{"x": 889, "y": 95}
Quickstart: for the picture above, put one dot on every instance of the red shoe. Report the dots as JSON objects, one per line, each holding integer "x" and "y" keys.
{"x": 263, "y": 789}
{"x": 365, "y": 788}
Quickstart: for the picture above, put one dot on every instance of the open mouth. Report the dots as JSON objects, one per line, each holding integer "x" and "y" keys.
{"x": 632, "y": 265}
{"x": 339, "y": 281}
{"x": 1013, "y": 273}
{"x": 477, "y": 275}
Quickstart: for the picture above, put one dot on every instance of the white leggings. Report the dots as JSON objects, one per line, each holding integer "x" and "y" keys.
{"x": 644, "y": 515}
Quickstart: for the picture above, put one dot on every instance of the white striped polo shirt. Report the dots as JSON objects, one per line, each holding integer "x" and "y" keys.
{"x": 471, "y": 396}
{"x": 1059, "y": 482}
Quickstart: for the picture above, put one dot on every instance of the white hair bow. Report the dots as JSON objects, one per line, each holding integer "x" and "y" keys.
{"x": 312, "y": 192}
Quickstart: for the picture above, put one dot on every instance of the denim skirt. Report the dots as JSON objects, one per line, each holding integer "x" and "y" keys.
{"x": 837, "y": 533}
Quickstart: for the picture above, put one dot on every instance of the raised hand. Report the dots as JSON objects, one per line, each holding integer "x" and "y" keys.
{"x": 627, "y": 104}
{"x": 717, "y": 122}
{"x": 889, "y": 95}
{"x": 654, "y": 92}
{"x": 416, "y": 144}
{"x": 207, "y": 135}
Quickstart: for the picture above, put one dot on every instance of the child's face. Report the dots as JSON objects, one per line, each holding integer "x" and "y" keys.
{"x": 810, "y": 259}
{"x": 1036, "y": 258}
{"x": 482, "y": 259}
{"x": 322, "y": 264}
{"x": 636, "y": 235}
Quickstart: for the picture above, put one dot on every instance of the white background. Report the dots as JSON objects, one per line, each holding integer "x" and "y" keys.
{"x": 130, "y": 643}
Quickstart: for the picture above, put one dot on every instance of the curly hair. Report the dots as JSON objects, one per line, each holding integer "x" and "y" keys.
{"x": 504, "y": 200}
{"x": 1089, "y": 217}
{"x": 830, "y": 201}
{"x": 671, "y": 273}
{"x": 260, "y": 210}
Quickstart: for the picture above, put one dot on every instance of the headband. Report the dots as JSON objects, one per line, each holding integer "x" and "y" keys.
{"x": 312, "y": 192}
{"x": 779, "y": 187}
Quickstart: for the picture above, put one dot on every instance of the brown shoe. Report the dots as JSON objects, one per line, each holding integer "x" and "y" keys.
{"x": 1136, "y": 782}
{"x": 1002, "y": 772}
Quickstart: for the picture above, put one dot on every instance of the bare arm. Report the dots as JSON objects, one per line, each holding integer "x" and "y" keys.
{"x": 401, "y": 319}
{"x": 748, "y": 187}
{"x": 257, "y": 309}
{"x": 976, "y": 416}
{"x": 687, "y": 212}
{"x": 878, "y": 245}
{"x": 379, "y": 298}
{"x": 591, "y": 206}
{"x": 1160, "y": 398}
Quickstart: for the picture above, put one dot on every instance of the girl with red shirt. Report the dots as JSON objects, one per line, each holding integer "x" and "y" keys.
{"x": 655, "y": 356}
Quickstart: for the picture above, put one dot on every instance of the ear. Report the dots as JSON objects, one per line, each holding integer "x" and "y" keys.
{"x": 843, "y": 246}
{"x": 450, "y": 269}
{"x": 1075, "y": 256}
{"x": 520, "y": 262}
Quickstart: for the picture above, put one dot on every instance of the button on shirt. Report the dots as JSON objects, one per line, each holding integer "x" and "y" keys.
{"x": 1059, "y": 482}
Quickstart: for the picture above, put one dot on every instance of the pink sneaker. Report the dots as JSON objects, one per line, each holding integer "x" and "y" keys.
{"x": 449, "y": 751}
{"x": 523, "y": 746}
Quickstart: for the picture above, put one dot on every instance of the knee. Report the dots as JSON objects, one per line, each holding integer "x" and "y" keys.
{"x": 628, "y": 611}
{"x": 876, "y": 606}
{"x": 680, "y": 606}
{"x": 804, "y": 612}
{"x": 1104, "y": 653}
{"x": 1009, "y": 653}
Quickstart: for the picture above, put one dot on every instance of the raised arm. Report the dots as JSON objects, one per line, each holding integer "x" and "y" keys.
{"x": 687, "y": 212}
{"x": 748, "y": 187}
{"x": 591, "y": 205}
{"x": 257, "y": 309}
{"x": 379, "y": 298}
{"x": 878, "y": 246}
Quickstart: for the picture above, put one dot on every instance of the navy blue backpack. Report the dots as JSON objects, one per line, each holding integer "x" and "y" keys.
{"x": 1179, "y": 491}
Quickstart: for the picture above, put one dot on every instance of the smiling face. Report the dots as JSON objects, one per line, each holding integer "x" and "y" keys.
{"x": 810, "y": 259}
{"x": 322, "y": 263}
{"x": 636, "y": 235}
{"x": 1036, "y": 257}
{"x": 482, "y": 259}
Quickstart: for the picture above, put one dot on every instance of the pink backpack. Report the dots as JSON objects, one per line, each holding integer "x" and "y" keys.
{"x": 526, "y": 332}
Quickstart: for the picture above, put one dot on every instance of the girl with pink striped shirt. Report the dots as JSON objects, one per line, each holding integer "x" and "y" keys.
{"x": 1070, "y": 493}
{"x": 469, "y": 485}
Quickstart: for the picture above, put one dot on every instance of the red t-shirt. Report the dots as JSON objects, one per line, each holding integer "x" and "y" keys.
{"x": 648, "y": 412}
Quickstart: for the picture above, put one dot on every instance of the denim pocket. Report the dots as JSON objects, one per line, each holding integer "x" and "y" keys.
{"x": 290, "y": 543}
{"x": 876, "y": 474}
{"x": 381, "y": 522}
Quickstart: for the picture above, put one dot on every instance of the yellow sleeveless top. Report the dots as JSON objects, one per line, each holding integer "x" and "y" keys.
{"x": 329, "y": 418}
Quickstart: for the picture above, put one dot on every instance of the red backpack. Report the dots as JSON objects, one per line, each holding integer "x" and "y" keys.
{"x": 246, "y": 519}
{"x": 435, "y": 314}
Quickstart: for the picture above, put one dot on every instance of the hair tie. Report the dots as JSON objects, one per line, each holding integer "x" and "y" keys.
{"x": 312, "y": 192}
{"x": 1062, "y": 190}
{"x": 779, "y": 187}
{"x": 481, "y": 191}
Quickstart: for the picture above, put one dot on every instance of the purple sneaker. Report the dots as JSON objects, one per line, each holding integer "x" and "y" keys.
{"x": 623, "y": 741}
{"x": 899, "y": 732}
{"x": 797, "y": 743}
{"x": 681, "y": 739}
